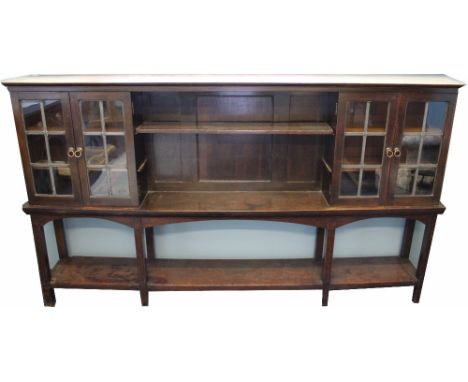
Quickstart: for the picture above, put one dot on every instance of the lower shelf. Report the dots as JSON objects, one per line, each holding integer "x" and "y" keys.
{"x": 369, "y": 272}
{"x": 122, "y": 273}
{"x": 233, "y": 274}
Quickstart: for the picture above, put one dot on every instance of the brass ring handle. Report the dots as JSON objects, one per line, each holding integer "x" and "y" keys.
{"x": 71, "y": 152}
{"x": 79, "y": 152}
{"x": 396, "y": 152}
{"x": 389, "y": 152}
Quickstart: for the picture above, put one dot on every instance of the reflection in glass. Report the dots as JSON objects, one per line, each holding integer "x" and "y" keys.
{"x": 42, "y": 181}
{"x": 119, "y": 183}
{"x": 113, "y": 116}
{"x": 430, "y": 150}
{"x": 409, "y": 149}
{"x": 58, "y": 148}
{"x": 116, "y": 150}
{"x": 62, "y": 178}
{"x": 37, "y": 149}
{"x": 370, "y": 183}
{"x": 356, "y": 116}
{"x": 53, "y": 115}
{"x": 94, "y": 150}
{"x": 91, "y": 116}
{"x": 349, "y": 183}
{"x": 425, "y": 181}
{"x": 374, "y": 150}
{"x": 436, "y": 114}
{"x": 378, "y": 114}
{"x": 32, "y": 115}
{"x": 414, "y": 117}
{"x": 352, "y": 149}
{"x": 99, "y": 185}
{"x": 405, "y": 180}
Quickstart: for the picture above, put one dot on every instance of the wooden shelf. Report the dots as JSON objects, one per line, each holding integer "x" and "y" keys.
{"x": 296, "y": 128}
{"x": 234, "y": 201}
{"x": 368, "y": 272}
{"x": 95, "y": 272}
{"x": 233, "y": 274}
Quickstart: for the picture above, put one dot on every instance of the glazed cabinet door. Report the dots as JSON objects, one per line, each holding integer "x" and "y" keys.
{"x": 105, "y": 146}
{"x": 421, "y": 146}
{"x": 45, "y": 134}
{"x": 364, "y": 134}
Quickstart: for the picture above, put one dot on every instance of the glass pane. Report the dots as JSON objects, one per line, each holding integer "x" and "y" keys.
{"x": 436, "y": 113}
{"x": 352, "y": 150}
{"x": 113, "y": 116}
{"x": 42, "y": 181}
{"x": 431, "y": 149}
{"x": 349, "y": 182}
{"x": 374, "y": 149}
{"x": 32, "y": 115}
{"x": 425, "y": 181}
{"x": 91, "y": 116}
{"x": 414, "y": 117}
{"x": 37, "y": 149}
{"x": 116, "y": 150}
{"x": 62, "y": 178}
{"x": 119, "y": 183}
{"x": 356, "y": 116}
{"x": 370, "y": 183}
{"x": 94, "y": 150}
{"x": 405, "y": 180}
{"x": 378, "y": 115}
{"x": 53, "y": 115}
{"x": 58, "y": 148}
{"x": 98, "y": 182}
{"x": 409, "y": 149}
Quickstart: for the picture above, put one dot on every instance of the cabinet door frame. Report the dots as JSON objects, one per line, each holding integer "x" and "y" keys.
{"x": 124, "y": 97}
{"x": 16, "y": 98}
{"x": 450, "y": 97}
{"x": 343, "y": 100}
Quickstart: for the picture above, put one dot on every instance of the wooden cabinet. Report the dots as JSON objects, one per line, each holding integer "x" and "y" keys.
{"x": 323, "y": 151}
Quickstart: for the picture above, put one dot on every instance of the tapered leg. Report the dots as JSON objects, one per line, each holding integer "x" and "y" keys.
{"x": 60, "y": 239}
{"x": 141, "y": 261}
{"x": 407, "y": 238}
{"x": 48, "y": 294}
{"x": 149, "y": 236}
{"x": 424, "y": 258}
{"x": 327, "y": 265}
{"x": 320, "y": 234}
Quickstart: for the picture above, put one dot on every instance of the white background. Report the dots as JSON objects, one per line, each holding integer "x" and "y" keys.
{"x": 364, "y": 335}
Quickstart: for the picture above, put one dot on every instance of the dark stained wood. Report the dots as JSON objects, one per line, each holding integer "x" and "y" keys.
{"x": 327, "y": 263}
{"x": 407, "y": 238}
{"x": 60, "y": 239}
{"x": 424, "y": 258}
{"x": 319, "y": 239}
{"x": 141, "y": 263}
{"x": 48, "y": 293}
{"x": 294, "y": 128}
{"x": 149, "y": 238}
{"x": 372, "y": 272}
{"x": 166, "y": 274}
{"x": 96, "y": 273}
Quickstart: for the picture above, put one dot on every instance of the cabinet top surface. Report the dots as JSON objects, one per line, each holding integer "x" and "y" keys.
{"x": 235, "y": 79}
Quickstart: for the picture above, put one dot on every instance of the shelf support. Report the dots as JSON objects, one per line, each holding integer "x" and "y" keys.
{"x": 424, "y": 257}
{"x": 60, "y": 239}
{"x": 407, "y": 238}
{"x": 141, "y": 262}
{"x": 48, "y": 294}
{"x": 149, "y": 237}
{"x": 327, "y": 264}
{"x": 319, "y": 238}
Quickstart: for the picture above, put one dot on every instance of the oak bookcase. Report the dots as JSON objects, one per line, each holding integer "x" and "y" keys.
{"x": 148, "y": 150}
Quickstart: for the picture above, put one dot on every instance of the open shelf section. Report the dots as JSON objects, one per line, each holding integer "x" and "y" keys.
{"x": 234, "y": 201}
{"x": 165, "y": 274}
{"x": 95, "y": 272}
{"x": 291, "y": 128}
{"x": 368, "y": 272}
